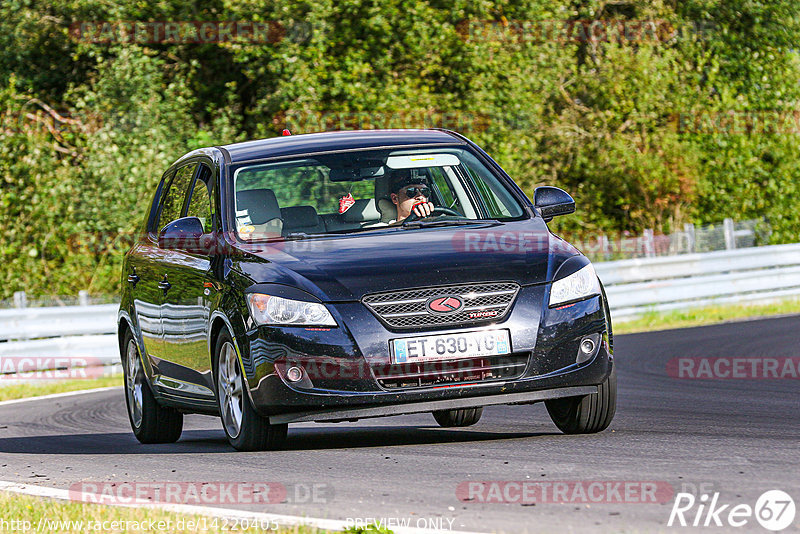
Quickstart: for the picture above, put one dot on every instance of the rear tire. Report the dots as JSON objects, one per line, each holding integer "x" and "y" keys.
{"x": 151, "y": 422}
{"x": 587, "y": 414}
{"x": 459, "y": 417}
{"x": 244, "y": 428}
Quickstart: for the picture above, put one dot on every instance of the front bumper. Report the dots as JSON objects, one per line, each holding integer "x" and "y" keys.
{"x": 339, "y": 379}
{"x": 353, "y": 414}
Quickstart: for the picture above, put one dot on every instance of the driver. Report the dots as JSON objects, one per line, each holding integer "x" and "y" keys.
{"x": 410, "y": 193}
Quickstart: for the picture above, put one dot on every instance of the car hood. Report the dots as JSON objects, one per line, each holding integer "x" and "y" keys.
{"x": 345, "y": 268}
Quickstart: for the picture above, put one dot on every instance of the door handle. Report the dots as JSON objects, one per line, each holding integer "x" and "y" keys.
{"x": 164, "y": 285}
{"x": 133, "y": 278}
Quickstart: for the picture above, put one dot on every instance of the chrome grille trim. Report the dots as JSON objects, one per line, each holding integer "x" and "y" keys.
{"x": 492, "y": 293}
{"x": 396, "y": 302}
{"x": 445, "y": 373}
{"x": 385, "y": 315}
{"x": 478, "y": 368}
{"x": 407, "y": 308}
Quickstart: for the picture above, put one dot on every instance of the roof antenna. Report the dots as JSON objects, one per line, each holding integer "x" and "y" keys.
{"x": 286, "y": 132}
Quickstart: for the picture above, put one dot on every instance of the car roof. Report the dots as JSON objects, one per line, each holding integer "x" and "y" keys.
{"x": 291, "y": 145}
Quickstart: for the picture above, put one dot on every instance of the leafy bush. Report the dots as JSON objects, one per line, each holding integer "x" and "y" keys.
{"x": 641, "y": 128}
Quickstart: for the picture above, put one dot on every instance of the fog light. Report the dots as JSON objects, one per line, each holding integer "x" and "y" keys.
{"x": 294, "y": 374}
{"x": 587, "y": 348}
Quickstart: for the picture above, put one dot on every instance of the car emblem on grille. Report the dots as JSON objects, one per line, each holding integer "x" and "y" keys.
{"x": 445, "y": 304}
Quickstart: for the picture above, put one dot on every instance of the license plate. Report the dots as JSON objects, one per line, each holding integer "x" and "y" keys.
{"x": 451, "y": 346}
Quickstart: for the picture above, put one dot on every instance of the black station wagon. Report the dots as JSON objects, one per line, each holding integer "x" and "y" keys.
{"x": 347, "y": 275}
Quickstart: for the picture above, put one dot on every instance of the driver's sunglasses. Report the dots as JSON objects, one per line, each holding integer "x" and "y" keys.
{"x": 412, "y": 192}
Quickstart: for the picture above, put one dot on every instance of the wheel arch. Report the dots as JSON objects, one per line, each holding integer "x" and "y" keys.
{"x": 125, "y": 325}
{"x": 220, "y": 321}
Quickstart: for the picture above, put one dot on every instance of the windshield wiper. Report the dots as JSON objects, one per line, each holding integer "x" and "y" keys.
{"x": 450, "y": 222}
{"x": 429, "y": 224}
{"x": 295, "y": 236}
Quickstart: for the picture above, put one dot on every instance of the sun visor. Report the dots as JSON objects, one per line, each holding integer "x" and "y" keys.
{"x": 417, "y": 161}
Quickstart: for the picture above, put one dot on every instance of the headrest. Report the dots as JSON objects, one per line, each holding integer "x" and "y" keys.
{"x": 261, "y": 205}
{"x": 399, "y": 178}
{"x": 382, "y": 187}
{"x": 363, "y": 210}
{"x": 383, "y": 197}
{"x": 300, "y": 216}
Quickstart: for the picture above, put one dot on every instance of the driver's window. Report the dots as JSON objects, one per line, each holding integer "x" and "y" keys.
{"x": 442, "y": 190}
{"x": 200, "y": 201}
{"x": 172, "y": 204}
{"x": 461, "y": 201}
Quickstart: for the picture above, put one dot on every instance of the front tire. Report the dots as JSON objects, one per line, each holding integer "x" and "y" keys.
{"x": 245, "y": 429}
{"x": 151, "y": 422}
{"x": 459, "y": 417}
{"x": 587, "y": 414}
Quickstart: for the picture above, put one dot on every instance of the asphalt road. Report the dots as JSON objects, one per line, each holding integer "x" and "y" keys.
{"x": 738, "y": 437}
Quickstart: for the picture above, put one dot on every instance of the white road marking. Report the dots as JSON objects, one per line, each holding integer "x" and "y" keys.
{"x": 59, "y": 395}
{"x": 265, "y": 518}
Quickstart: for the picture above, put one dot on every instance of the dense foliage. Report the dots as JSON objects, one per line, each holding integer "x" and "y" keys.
{"x": 651, "y": 113}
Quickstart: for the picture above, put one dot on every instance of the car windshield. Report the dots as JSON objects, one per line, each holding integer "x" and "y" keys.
{"x": 359, "y": 191}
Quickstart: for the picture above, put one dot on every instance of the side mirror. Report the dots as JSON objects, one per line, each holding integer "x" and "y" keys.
{"x": 182, "y": 234}
{"x": 552, "y": 201}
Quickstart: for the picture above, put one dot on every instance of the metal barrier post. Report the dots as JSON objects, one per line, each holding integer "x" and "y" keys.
{"x": 20, "y": 299}
{"x": 730, "y": 238}
{"x": 688, "y": 229}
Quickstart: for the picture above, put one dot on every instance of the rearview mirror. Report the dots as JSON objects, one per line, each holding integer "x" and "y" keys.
{"x": 352, "y": 174}
{"x": 182, "y": 234}
{"x": 552, "y": 202}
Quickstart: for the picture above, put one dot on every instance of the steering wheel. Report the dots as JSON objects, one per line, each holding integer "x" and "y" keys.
{"x": 438, "y": 210}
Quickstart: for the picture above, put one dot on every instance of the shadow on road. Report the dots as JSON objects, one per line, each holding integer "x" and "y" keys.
{"x": 212, "y": 441}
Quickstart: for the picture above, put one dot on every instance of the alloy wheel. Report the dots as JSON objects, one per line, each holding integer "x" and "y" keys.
{"x": 230, "y": 387}
{"x": 134, "y": 382}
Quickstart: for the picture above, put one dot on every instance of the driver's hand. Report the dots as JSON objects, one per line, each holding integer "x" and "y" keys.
{"x": 423, "y": 209}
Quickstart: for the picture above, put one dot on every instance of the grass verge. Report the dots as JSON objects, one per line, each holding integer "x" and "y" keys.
{"x": 34, "y": 514}
{"x": 652, "y": 321}
{"x": 48, "y": 387}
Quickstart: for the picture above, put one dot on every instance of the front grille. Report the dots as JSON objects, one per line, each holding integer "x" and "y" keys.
{"x": 451, "y": 372}
{"x": 408, "y": 308}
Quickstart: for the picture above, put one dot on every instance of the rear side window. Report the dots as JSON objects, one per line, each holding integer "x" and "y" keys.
{"x": 172, "y": 202}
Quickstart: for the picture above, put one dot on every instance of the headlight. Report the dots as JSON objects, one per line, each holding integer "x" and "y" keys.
{"x": 267, "y": 309}
{"x": 576, "y": 286}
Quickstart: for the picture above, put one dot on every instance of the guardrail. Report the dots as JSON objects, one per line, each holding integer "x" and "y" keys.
{"x": 58, "y": 332}
{"x": 634, "y": 287}
{"x": 57, "y": 321}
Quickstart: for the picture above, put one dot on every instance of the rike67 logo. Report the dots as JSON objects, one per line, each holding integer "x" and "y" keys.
{"x": 774, "y": 510}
